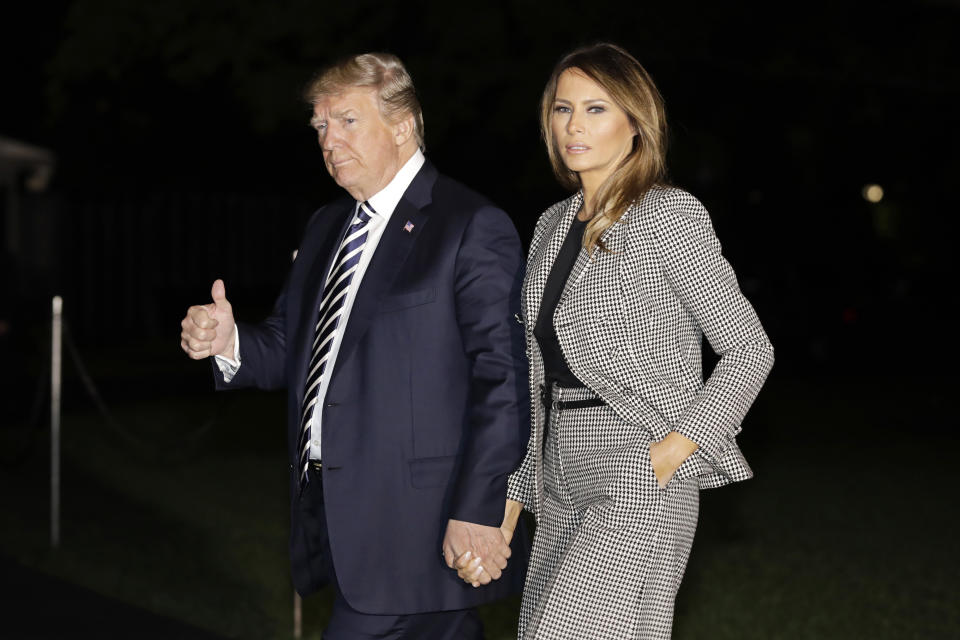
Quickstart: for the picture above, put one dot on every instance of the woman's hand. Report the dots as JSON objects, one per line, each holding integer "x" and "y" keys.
{"x": 470, "y": 567}
{"x": 667, "y": 455}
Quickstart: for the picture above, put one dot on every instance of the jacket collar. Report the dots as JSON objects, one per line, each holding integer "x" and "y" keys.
{"x": 553, "y": 237}
{"x": 401, "y": 233}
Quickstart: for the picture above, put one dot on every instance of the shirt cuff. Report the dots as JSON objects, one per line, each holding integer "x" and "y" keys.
{"x": 229, "y": 366}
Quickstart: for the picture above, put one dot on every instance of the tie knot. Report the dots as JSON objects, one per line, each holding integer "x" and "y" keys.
{"x": 365, "y": 211}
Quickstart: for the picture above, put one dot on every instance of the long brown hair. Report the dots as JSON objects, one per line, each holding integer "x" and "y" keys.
{"x": 633, "y": 90}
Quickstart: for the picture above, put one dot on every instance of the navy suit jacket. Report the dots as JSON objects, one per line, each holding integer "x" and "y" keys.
{"x": 427, "y": 408}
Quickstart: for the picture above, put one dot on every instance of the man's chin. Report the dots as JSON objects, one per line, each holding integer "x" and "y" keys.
{"x": 343, "y": 183}
{"x": 343, "y": 178}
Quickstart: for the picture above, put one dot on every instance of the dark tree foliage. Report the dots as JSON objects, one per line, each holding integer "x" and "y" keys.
{"x": 779, "y": 116}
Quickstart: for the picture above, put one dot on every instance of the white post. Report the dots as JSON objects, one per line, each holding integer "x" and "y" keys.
{"x": 297, "y": 616}
{"x": 56, "y": 348}
{"x": 297, "y": 600}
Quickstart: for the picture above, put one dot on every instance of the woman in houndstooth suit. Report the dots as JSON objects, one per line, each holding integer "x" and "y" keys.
{"x": 623, "y": 279}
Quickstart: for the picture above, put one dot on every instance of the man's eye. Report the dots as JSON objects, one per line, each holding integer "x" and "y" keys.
{"x": 350, "y": 120}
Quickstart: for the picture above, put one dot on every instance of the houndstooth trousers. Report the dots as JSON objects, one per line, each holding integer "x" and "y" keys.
{"x": 611, "y": 546}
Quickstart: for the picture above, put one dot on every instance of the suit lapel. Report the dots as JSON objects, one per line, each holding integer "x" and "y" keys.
{"x": 392, "y": 251}
{"x": 576, "y": 273}
{"x": 547, "y": 252}
{"x": 323, "y": 255}
{"x": 611, "y": 239}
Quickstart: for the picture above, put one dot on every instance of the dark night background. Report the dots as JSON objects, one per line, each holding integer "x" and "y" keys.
{"x": 182, "y": 154}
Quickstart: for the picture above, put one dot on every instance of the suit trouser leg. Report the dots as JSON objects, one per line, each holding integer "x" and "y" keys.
{"x": 348, "y": 624}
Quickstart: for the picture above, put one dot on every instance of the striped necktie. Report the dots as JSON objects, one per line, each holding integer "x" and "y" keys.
{"x": 335, "y": 291}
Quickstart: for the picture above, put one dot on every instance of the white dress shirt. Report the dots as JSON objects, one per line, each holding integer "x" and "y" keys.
{"x": 383, "y": 204}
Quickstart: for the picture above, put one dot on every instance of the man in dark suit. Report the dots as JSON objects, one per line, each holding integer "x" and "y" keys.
{"x": 395, "y": 337}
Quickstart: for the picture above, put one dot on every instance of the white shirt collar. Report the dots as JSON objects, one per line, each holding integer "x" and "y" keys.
{"x": 386, "y": 200}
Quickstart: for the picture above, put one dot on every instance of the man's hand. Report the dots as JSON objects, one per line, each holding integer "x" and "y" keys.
{"x": 485, "y": 545}
{"x": 208, "y": 330}
{"x": 469, "y": 567}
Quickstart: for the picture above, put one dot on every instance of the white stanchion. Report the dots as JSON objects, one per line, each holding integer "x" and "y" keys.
{"x": 56, "y": 360}
{"x": 297, "y": 616}
{"x": 297, "y": 600}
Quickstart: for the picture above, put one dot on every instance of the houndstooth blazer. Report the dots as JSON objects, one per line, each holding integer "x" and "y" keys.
{"x": 630, "y": 323}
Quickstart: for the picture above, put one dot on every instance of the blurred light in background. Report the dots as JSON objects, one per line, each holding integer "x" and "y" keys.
{"x": 39, "y": 178}
{"x": 872, "y": 193}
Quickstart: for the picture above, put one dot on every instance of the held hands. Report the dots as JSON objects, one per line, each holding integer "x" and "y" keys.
{"x": 465, "y": 540}
{"x": 208, "y": 330}
{"x": 472, "y": 567}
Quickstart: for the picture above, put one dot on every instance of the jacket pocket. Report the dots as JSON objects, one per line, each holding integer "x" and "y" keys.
{"x": 407, "y": 300}
{"x": 692, "y": 467}
{"x": 426, "y": 473}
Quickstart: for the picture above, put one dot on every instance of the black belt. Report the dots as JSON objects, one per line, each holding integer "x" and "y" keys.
{"x": 546, "y": 397}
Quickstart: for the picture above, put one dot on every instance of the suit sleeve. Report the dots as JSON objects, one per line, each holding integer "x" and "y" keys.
{"x": 707, "y": 287}
{"x": 489, "y": 273}
{"x": 262, "y": 352}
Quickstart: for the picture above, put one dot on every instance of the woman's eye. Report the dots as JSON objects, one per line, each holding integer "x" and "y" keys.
{"x": 596, "y": 109}
{"x": 561, "y": 109}
{"x": 350, "y": 120}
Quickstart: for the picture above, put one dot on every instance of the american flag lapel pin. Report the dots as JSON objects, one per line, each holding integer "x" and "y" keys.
{"x": 408, "y": 227}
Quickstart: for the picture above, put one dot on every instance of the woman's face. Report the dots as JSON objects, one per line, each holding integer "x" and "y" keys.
{"x": 592, "y": 134}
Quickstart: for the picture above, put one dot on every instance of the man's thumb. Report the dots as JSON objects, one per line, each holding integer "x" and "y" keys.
{"x": 219, "y": 293}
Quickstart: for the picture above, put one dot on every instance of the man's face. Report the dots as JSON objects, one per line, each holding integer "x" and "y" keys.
{"x": 359, "y": 147}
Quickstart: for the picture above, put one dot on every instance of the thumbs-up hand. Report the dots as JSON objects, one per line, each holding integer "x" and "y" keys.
{"x": 208, "y": 330}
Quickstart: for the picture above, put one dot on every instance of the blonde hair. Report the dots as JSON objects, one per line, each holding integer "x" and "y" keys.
{"x": 633, "y": 90}
{"x": 382, "y": 72}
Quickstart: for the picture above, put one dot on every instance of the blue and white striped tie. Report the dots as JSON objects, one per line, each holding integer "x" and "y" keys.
{"x": 335, "y": 292}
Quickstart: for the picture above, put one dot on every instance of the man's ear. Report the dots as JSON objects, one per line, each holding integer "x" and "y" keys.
{"x": 403, "y": 130}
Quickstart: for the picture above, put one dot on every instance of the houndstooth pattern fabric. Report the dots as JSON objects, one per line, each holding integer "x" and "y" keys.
{"x": 630, "y": 322}
{"x": 611, "y": 546}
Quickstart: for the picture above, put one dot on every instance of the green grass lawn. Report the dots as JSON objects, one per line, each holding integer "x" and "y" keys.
{"x": 845, "y": 533}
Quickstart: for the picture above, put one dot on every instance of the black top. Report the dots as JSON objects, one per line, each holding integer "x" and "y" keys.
{"x": 555, "y": 365}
